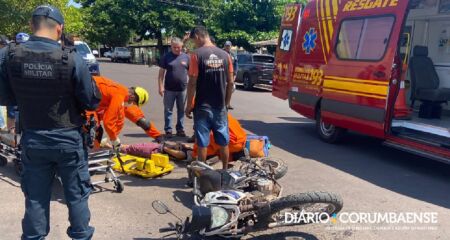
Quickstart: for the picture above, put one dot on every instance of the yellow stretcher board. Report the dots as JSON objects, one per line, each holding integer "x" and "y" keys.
{"x": 152, "y": 167}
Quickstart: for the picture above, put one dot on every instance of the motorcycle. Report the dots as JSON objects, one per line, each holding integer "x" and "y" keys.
{"x": 247, "y": 175}
{"x": 232, "y": 203}
{"x": 233, "y": 214}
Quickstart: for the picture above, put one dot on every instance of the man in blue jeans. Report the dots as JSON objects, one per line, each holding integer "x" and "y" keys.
{"x": 52, "y": 87}
{"x": 211, "y": 82}
{"x": 172, "y": 80}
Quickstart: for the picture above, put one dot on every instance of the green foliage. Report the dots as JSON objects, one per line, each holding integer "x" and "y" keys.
{"x": 244, "y": 22}
{"x": 115, "y": 22}
{"x": 16, "y": 14}
{"x": 109, "y": 22}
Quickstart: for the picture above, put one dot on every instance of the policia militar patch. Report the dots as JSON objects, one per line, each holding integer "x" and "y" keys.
{"x": 38, "y": 70}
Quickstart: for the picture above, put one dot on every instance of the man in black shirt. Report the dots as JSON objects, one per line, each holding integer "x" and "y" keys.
{"x": 173, "y": 76}
{"x": 211, "y": 81}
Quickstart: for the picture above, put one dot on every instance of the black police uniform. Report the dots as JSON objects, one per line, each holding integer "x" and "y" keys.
{"x": 51, "y": 87}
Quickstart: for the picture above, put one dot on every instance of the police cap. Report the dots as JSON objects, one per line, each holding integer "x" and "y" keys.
{"x": 50, "y": 12}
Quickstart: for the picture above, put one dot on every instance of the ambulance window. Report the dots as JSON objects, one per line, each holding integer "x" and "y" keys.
{"x": 364, "y": 39}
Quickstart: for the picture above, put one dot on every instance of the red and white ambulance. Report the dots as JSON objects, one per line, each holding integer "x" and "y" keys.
{"x": 378, "y": 67}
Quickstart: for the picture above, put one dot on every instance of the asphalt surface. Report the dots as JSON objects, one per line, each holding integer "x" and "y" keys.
{"x": 369, "y": 177}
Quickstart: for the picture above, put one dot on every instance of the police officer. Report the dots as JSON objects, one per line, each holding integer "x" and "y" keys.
{"x": 51, "y": 86}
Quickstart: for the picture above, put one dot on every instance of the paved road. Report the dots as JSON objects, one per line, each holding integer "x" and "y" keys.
{"x": 369, "y": 177}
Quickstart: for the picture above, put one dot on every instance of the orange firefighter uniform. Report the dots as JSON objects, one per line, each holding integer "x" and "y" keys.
{"x": 238, "y": 137}
{"x": 112, "y": 110}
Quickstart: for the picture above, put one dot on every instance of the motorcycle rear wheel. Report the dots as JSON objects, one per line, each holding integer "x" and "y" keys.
{"x": 320, "y": 203}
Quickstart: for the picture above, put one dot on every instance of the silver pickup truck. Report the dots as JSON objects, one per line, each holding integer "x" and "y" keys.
{"x": 121, "y": 54}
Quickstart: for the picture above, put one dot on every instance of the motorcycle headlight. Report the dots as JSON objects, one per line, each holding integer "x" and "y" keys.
{"x": 219, "y": 217}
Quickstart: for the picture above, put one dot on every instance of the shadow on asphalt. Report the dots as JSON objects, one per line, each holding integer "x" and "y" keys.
{"x": 363, "y": 157}
{"x": 9, "y": 176}
{"x": 289, "y": 235}
{"x": 256, "y": 88}
{"x": 162, "y": 182}
{"x": 185, "y": 198}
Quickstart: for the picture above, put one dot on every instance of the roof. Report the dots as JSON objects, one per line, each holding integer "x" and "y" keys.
{"x": 272, "y": 42}
{"x": 255, "y": 54}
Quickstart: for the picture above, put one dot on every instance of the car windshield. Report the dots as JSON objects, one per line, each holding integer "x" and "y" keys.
{"x": 82, "y": 49}
{"x": 263, "y": 59}
{"x": 122, "y": 50}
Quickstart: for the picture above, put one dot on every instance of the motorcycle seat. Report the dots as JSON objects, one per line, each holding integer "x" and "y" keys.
{"x": 214, "y": 180}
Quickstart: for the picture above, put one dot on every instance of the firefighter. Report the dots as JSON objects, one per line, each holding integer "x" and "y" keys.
{"x": 238, "y": 137}
{"x": 51, "y": 86}
{"x": 119, "y": 102}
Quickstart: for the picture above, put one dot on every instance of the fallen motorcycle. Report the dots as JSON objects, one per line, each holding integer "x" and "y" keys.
{"x": 247, "y": 175}
{"x": 233, "y": 214}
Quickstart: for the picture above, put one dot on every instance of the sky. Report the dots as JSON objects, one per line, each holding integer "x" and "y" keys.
{"x": 74, "y": 4}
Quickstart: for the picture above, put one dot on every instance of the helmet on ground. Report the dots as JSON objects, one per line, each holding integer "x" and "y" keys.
{"x": 142, "y": 96}
{"x": 22, "y": 37}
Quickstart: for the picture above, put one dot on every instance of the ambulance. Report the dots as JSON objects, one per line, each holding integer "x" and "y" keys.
{"x": 377, "y": 67}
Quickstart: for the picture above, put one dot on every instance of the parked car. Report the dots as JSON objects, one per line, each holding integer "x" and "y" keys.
{"x": 83, "y": 49}
{"x": 107, "y": 54}
{"x": 95, "y": 52}
{"x": 121, "y": 54}
{"x": 254, "y": 69}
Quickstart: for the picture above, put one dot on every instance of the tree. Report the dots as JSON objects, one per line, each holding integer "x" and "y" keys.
{"x": 15, "y": 15}
{"x": 109, "y": 22}
{"x": 244, "y": 22}
{"x": 114, "y": 22}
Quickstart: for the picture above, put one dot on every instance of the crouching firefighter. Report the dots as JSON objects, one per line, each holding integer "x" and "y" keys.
{"x": 51, "y": 86}
{"x": 119, "y": 102}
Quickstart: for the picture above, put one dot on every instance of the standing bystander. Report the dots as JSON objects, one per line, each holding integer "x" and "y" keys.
{"x": 211, "y": 82}
{"x": 172, "y": 80}
{"x": 233, "y": 56}
{"x": 3, "y": 125}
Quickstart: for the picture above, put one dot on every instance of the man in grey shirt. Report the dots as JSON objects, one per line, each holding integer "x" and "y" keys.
{"x": 173, "y": 77}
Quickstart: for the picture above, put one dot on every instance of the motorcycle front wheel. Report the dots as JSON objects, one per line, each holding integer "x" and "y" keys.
{"x": 279, "y": 167}
{"x": 302, "y": 208}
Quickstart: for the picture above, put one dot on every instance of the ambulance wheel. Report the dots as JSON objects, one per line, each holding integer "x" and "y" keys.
{"x": 119, "y": 186}
{"x": 3, "y": 161}
{"x": 328, "y": 132}
{"x": 248, "y": 85}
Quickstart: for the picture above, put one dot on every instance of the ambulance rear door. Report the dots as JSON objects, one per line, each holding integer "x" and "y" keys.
{"x": 359, "y": 75}
{"x": 287, "y": 43}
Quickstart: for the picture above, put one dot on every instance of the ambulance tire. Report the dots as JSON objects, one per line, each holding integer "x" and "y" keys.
{"x": 328, "y": 132}
{"x": 247, "y": 81}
